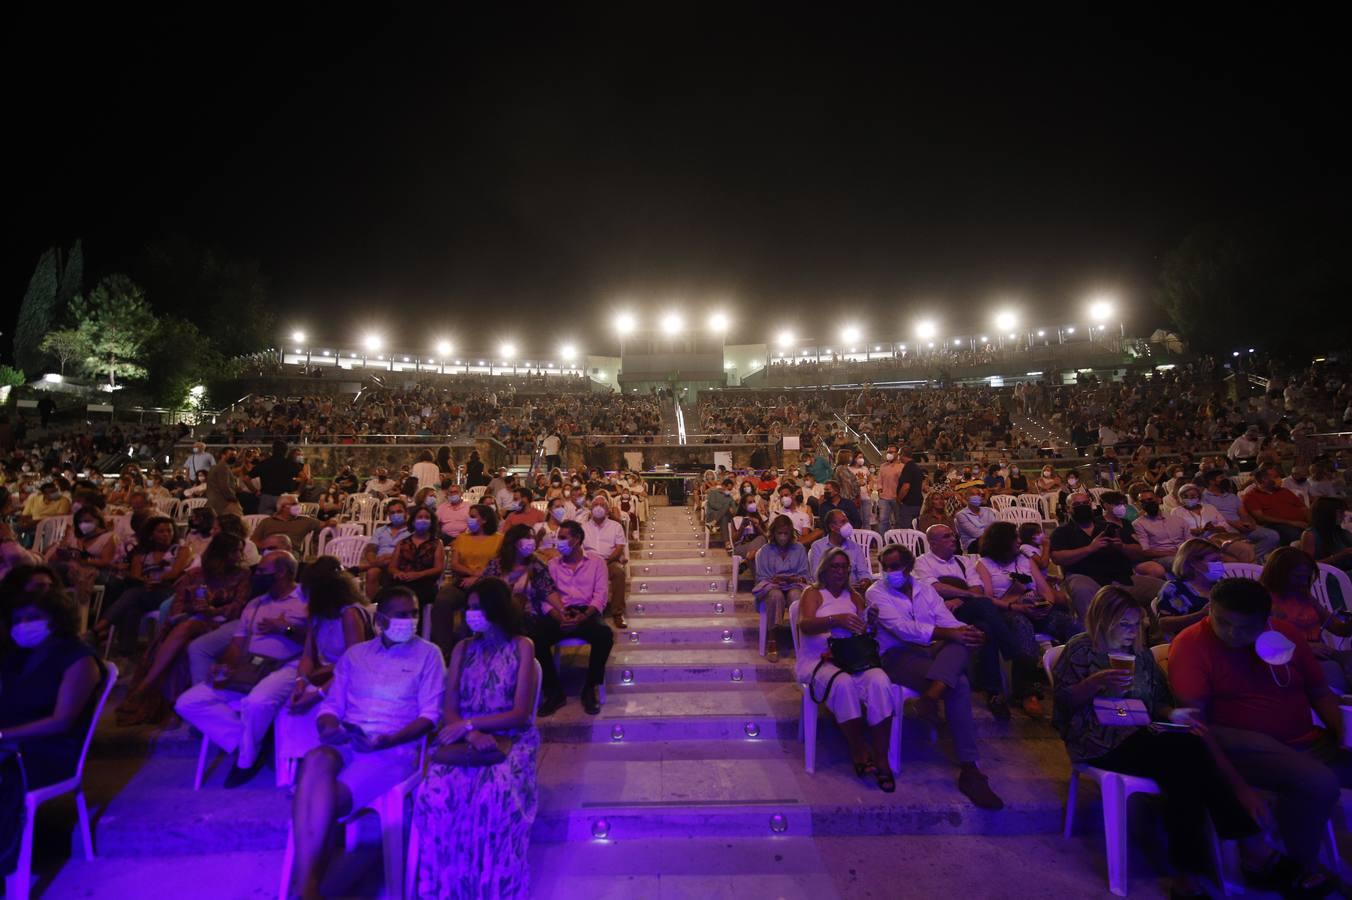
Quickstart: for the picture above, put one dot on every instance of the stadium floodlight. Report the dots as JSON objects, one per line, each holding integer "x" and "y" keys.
{"x": 672, "y": 323}
{"x": 930, "y": 345}
{"x": 957, "y": 342}
{"x": 507, "y": 349}
{"x": 1006, "y": 319}
{"x": 1041, "y": 333}
{"x": 926, "y": 329}
{"x": 298, "y": 336}
{"x": 1101, "y": 309}
{"x": 1012, "y": 335}
{"x": 850, "y": 334}
{"x": 785, "y": 338}
{"x": 373, "y": 341}
{"x": 1070, "y": 330}
{"x": 719, "y": 322}
{"x": 568, "y": 352}
{"x": 625, "y": 323}
{"x": 444, "y": 348}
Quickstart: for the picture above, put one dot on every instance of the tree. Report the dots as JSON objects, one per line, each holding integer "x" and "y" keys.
{"x": 36, "y": 313}
{"x": 71, "y": 278}
{"x": 117, "y": 322}
{"x": 178, "y": 357}
{"x": 67, "y": 345}
{"x": 225, "y": 297}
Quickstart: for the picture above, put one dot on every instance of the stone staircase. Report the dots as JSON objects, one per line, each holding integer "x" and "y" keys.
{"x": 695, "y": 752}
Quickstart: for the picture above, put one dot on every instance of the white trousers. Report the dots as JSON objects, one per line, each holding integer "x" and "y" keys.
{"x": 871, "y": 689}
{"x": 235, "y": 721}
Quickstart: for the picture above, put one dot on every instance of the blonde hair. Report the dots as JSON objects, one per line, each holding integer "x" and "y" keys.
{"x": 830, "y": 554}
{"x": 1105, "y": 610}
{"x": 1188, "y": 553}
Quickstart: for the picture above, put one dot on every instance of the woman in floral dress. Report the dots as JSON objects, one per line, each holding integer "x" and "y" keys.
{"x": 474, "y": 822}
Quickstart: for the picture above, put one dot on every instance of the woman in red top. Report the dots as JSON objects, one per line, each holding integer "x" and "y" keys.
{"x": 1288, "y": 576}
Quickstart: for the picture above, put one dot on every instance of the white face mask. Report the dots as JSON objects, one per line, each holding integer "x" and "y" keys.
{"x": 30, "y": 634}
{"x": 87, "y": 527}
{"x": 525, "y": 547}
{"x": 847, "y": 531}
{"x": 891, "y": 456}
{"x": 294, "y": 509}
{"x": 751, "y": 507}
{"x": 1274, "y": 648}
{"x": 1215, "y": 570}
{"x": 400, "y": 630}
{"x": 786, "y": 503}
{"x": 1119, "y": 510}
{"x": 477, "y": 621}
{"x": 1192, "y": 502}
{"x": 598, "y": 513}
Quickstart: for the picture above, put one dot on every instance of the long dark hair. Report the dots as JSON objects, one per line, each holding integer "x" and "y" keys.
{"x": 54, "y": 601}
{"x": 507, "y": 552}
{"x": 329, "y": 593}
{"x": 1325, "y": 517}
{"x": 495, "y": 600}
{"x": 147, "y": 533}
{"x": 217, "y": 555}
{"x": 1000, "y": 542}
{"x": 488, "y": 516}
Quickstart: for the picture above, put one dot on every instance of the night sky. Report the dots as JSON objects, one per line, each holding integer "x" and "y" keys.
{"x": 517, "y": 174}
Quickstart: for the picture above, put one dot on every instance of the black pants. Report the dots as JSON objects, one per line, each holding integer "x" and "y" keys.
{"x": 1000, "y": 638}
{"x": 545, "y": 632}
{"x": 1193, "y": 787}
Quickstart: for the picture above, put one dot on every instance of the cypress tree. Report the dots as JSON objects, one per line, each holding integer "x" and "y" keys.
{"x": 36, "y": 314}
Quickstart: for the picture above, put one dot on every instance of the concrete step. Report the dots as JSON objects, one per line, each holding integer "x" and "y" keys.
{"x": 678, "y": 584}
{"x": 639, "y": 552}
{"x": 709, "y": 631}
{"x": 647, "y": 605}
{"x": 697, "y": 668}
{"x": 764, "y": 865}
{"x": 642, "y": 568}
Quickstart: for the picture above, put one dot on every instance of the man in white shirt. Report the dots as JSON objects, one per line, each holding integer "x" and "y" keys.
{"x": 926, "y": 649}
{"x": 386, "y": 693}
{"x": 552, "y": 445}
{"x": 271, "y": 628}
{"x": 1247, "y": 445}
{"x": 604, "y": 538}
{"x": 382, "y": 483}
{"x": 199, "y": 461}
{"x": 973, "y": 520}
{"x": 1160, "y": 536}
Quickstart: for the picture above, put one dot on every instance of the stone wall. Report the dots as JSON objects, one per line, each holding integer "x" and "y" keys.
{"x": 326, "y": 460}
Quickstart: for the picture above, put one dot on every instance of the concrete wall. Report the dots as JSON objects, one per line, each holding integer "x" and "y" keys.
{"x": 325, "y": 460}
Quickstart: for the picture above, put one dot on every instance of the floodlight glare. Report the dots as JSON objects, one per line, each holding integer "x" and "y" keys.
{"x": 1100, "y": 309}
{"x": 298, "y": 336}
{"x": 1005, "y": 320}
{"x": 568, "y": 352}
{"x": 926, "y": 329}
{"x": 672, "y": 323}
{"x": 444, "y": 348}
{"x": 373, "y": 342}
{"x": 625, "y": 323}
{"x": 718, "y": 322}
{"x": 784, "y": 339}
{"x": 957, "y": 342}
{"x": 508, "y": 350}
{"x": 850, "y": 334}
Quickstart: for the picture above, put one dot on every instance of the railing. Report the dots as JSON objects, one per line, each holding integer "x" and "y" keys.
{"x": 864, "y": 442}
{"x": 336, "y": 440}
{"x": 680, "y": 419}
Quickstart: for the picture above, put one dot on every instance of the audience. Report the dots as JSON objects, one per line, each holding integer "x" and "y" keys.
{"x": 386, "y": 695}
{"x": 1095, "y": 552}
{"x": 156, "y": 564}
{"x": 477, "y": 802}
{"x": 1275, "y": 507}
{"x": 927, "y": 650}
{"x": 831, "y": 608}
{"x": 1197, "y": 780}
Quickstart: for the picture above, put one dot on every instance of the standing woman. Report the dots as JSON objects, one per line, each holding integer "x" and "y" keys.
{"x": 445, "y": 463}
{"x": 844, "y": 476}
{"x": 832, "y": 608}
{"x": 473, "y": 822}
{"x": 84, "y": 557}
{"x": 418, "y": 559}
{"x": 474, "y": 471}
{"x": 49, "y": 683}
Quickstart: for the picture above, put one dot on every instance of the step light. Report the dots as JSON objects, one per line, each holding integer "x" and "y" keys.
{"x": 727, "y": 636}
{"x": 736, "y": 674}
{"x": 633, "y": 637}
{"x": 779, "y": 823}
{"x": 601, "y": 828}
{"x": 752, "y": 730}
{"x": 719, "y": 608}
{"x": 617, "y": 733}
{"x": 627, "y": 676}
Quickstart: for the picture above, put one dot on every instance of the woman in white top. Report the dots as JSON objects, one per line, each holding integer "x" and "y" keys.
{"x": 832, "y": 608}
{"x": 426, "y": 471}
{"x": 1017, "y": 587}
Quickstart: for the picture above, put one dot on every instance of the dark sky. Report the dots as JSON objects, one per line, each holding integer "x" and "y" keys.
{"x": 516, "y": 173}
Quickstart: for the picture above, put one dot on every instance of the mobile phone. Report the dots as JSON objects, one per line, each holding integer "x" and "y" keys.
{"x": 353, "y": 729}
{"x": 1112, "y": 530}
{"x": 1170, "y": 726}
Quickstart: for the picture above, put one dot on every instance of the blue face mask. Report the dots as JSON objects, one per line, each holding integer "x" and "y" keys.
{"x": 397, "y": 519}
{"x": 897, "y": 580}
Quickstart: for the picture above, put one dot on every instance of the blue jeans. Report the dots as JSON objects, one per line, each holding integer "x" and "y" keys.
{"x": 1264, "y": 541}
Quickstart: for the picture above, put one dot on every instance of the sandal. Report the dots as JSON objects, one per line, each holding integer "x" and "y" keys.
{"x": 887, "y": 782}
{"x": 864, "y": 768}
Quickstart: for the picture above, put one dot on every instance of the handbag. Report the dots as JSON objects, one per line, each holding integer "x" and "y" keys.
{"x": 464, "y": 755}
{"x": 250, "y": 669}
{"x": 851, "y": 655}
{"x": 1120, "y": 712}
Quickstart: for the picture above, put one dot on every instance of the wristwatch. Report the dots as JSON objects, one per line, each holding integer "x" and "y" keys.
{"x": 469, "y": 726}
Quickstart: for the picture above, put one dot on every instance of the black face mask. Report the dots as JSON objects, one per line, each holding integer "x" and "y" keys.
{"x": 1151, "y": 507}
{"x": 1082, "y": 513}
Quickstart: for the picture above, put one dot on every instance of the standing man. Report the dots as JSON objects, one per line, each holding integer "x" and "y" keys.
{"x": 910, "y": 490}
{"x": 276, "y": 476}
{"x": 221, "y": 496}
{"x": 553, "y": 446}
{"x": 889, "y": 475}
{"x": 199, "y": 461}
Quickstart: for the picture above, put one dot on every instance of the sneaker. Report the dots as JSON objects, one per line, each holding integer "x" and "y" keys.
{"x": 1032, "y": 707}
{"x": 975, "y": 787}
{"x": 998, "y": 707}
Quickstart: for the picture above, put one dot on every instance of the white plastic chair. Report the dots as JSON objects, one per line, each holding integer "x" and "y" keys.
{"x": 1002, "y": 501}
{"x": 807, "y": 720}
{"x": 1251, "y": 571}
{"x": 1097, "y": 493}
{"x": 475, "y": 494}
{"x": 541, "y": 505}
{"x": 1030, "y": 501}
{"x": 186, "y": 506}
{"x": 19, "y": 883}
{"x": 251, "y": 522}
{"x": 912, "y": 540}
{"x": 872, "y": 542}
{"x": 347, "y": 549}
{"x": 326, "y": 534}
{"x": 389, "y": 808}
{"x": 309, "y": 509}
{"x": 414, "y": 836}
{"x": 1049, "y": 501}
{"x": 1116, "y": 789}
{"x": 49, "y": 533}
{"x": 1018, "y": 515}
